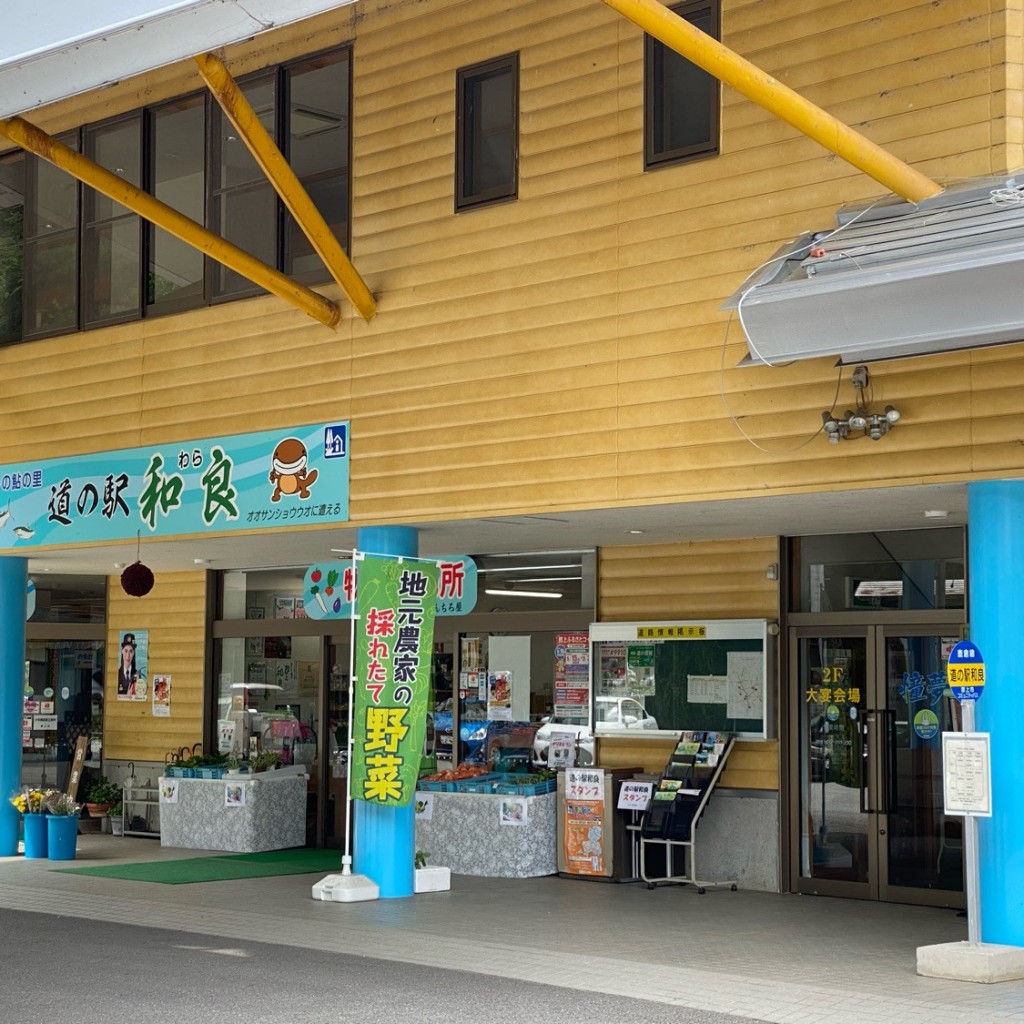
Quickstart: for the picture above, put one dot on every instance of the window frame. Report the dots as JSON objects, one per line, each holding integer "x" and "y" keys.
{"x": 655, "y": 91}
{"x": 37, "y": 241}
{"x": 464, "y": 142}
{"x": 78, "y": 292}
{"x": 90, "y": 226}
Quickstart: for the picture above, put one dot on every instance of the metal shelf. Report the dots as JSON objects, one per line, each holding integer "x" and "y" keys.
{"x": 149, "y": 798}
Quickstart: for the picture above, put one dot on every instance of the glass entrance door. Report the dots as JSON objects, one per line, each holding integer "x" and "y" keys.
{"x": 872, "y": 707}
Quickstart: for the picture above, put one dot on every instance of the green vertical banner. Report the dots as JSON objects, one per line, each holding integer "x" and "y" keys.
{"x": 395, "y": 605}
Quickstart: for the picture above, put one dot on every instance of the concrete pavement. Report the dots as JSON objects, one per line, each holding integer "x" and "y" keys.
{"x": 779, "y": 958}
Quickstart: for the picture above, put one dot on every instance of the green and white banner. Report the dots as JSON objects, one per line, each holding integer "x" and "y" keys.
{"x": 394, "y": 639}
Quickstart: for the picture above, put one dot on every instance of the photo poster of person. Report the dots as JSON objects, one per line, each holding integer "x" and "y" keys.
{"x": 133, "y": 665}
{"x": 161, "y": 696}
{"x": 234, "y": 795}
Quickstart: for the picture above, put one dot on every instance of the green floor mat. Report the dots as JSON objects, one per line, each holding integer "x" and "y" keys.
{"x": 219, "y": 868}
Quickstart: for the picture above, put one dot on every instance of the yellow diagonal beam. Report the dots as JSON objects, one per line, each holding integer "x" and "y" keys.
{"x": 728, "y": 66}
{"x": 35, "y": 140}
{"x": 273, "y": 164}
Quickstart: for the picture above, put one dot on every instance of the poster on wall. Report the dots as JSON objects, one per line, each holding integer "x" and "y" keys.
{"x": 499, "y": 696}
{"x": 584, "y": 821}
{"x": 161, "y": 696}
{"x": 572, "y": 676}
{"x": 133, "y": 665}
{"x": 225, "y": 736}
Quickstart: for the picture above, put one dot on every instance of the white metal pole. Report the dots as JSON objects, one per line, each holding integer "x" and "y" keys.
{"x": 971, "y": 852}
{"x": 346, "y": 860}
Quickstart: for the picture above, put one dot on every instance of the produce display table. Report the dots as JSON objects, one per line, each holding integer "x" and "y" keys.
{"x": 270, "y": 816}
{"x": 466, "y": 832}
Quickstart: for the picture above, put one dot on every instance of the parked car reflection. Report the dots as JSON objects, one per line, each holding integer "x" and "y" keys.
{"x": 610, "y": 712}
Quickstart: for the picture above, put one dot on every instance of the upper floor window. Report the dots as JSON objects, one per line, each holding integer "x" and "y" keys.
{"x": 681, "y": 100}
{"x": 111, "y": 233}
{"x": 70, "y": 258}
{"x": 487, "y": 132}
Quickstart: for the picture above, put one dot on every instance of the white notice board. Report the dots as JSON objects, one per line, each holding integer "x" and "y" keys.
{"x": 967, "y": 774}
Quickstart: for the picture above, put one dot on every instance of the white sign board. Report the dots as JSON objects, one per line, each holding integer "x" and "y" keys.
{"x": 967, "y": 774}
{"x": 635, "y": 796}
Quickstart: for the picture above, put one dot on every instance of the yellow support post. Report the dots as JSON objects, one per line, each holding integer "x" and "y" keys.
{"x": 35, "y": 140}
{"x": 718, "y": 60}
{"x": 247, "y": 123}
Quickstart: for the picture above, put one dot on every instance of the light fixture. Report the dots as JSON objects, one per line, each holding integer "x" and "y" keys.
{"x": 860, "y": 420}
{"x": 522, "y": 593}
{"x": 200, "y": 561}
{"x": 936, "y": 513}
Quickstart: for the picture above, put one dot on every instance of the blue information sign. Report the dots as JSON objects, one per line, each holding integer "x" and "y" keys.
{"x": 965, "y": 671}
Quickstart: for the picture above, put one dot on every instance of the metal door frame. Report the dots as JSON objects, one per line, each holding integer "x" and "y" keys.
{"x": 874, "y": 630}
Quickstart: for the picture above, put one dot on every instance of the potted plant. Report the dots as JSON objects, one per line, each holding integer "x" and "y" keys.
{"x": 61, "y": 825}
{"x": 430, "y": 879}
{"x": 30, "y": 804}
{"x": 115, "y": 815}
{"x": 263, "y": 760}
{"x": 101, "y": 796}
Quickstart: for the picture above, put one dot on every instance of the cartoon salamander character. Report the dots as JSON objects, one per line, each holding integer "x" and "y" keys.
{"x": 289, "y": 474}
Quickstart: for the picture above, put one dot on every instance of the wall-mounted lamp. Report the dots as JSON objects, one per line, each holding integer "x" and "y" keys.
{"x": 861, "y": 420}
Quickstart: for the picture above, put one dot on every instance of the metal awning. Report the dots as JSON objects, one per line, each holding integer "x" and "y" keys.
{"x": 894, "y": 279}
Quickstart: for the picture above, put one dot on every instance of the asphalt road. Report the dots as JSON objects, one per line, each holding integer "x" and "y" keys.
{"x": 74, "y": 971}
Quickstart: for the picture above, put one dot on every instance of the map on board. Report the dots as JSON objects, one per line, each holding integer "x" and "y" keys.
{"x": 745, "y": 674}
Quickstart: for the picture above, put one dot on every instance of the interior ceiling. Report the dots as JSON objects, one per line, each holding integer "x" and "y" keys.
{"x": 861, "y": 511}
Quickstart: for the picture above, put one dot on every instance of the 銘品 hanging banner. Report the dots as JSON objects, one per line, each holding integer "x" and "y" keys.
{"x": 394, "y": 637}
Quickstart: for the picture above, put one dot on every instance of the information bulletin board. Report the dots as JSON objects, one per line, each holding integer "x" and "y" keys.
{"x": 710, "y": 675}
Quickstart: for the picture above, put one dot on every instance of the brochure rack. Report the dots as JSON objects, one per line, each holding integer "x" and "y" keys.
{"x": 677, "y": 803}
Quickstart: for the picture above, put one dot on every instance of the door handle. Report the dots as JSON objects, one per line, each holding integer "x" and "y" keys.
{"x": 865, "y": 762}
{"x": 888, "y": 761}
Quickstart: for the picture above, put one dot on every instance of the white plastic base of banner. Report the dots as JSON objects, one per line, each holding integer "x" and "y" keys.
{"x": 346, "y": 889}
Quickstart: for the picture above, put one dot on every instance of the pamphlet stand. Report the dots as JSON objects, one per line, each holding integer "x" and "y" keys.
{"x": 677, "y": 803}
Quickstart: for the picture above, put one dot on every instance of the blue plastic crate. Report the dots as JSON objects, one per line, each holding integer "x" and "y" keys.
{"x": 523, "y": 785}
{"x": 481, "y": 784}
{"x": 211, "y": 772}
{"x": 175, "y": 771}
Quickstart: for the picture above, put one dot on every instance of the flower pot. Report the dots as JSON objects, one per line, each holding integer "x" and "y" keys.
{"x": 62, "y": 836}
{"x": 34, "y": 827}
{"x": 116, "y": 825}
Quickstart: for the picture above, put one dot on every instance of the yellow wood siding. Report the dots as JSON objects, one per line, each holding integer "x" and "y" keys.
{"x": 752, "y": 764}
{"x": 707, "y": 580}
{"x": 174, "y": 613}
{"x": 567, "y": 350}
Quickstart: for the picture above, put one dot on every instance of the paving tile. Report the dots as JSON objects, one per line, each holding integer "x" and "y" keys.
{"x": 778, "y": 958}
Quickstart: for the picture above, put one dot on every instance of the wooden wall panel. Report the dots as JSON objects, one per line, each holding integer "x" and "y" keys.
{"x": 585, "y": 317}
{"x": 174, "y": 613}
{"x": 752, "y": 764}
{"x": 707, "y": 580}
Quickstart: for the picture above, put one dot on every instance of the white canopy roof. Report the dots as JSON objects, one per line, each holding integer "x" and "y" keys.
{"x": 65, "y": 47}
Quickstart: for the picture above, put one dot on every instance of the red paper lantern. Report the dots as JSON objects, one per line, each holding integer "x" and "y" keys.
{"x": 137, "y": 580}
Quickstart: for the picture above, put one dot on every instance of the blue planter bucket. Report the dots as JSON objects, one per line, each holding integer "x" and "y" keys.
{"x": 62, "y": 836}
{"x": 34, "y": 829}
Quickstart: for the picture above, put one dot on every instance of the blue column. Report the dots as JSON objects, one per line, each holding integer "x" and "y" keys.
{"x": 384, "y": 847}
{"x": 995, "y": 520}
{"x": 13, "y": 587}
